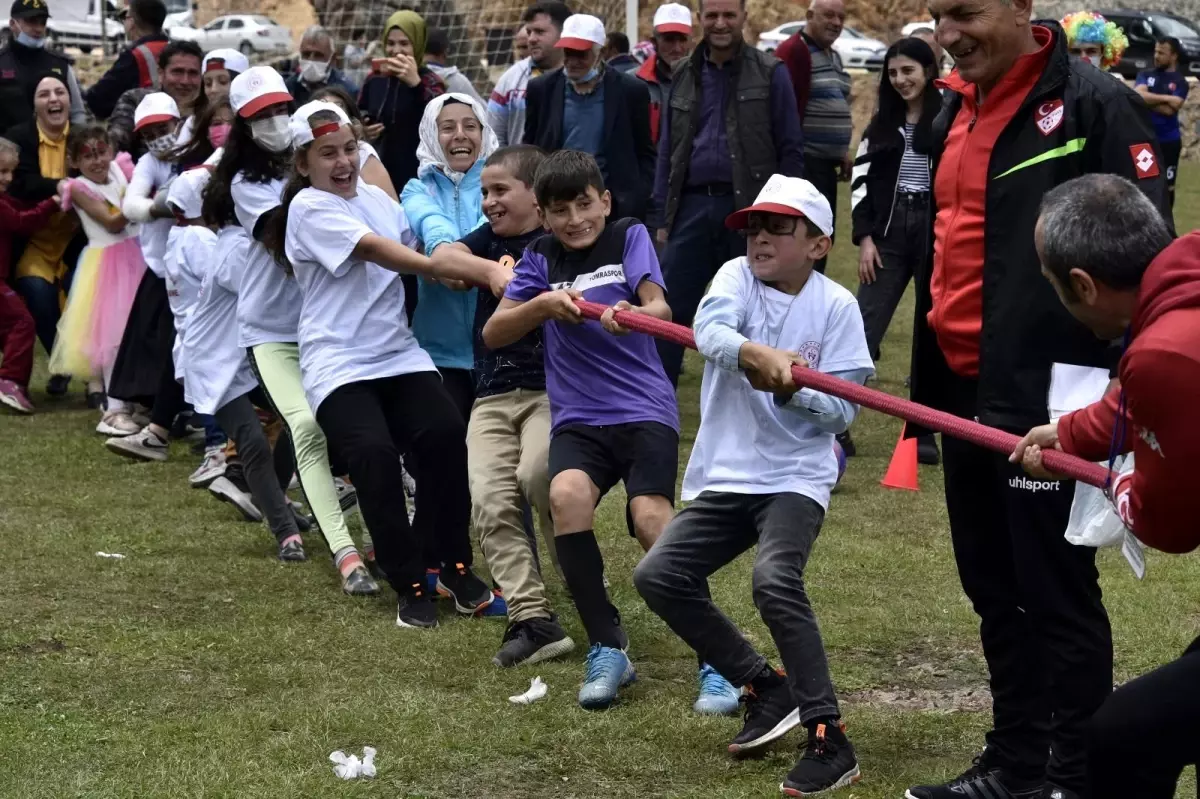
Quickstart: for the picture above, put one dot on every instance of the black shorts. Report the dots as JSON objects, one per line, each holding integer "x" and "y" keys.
{"x": 643, "y": 455}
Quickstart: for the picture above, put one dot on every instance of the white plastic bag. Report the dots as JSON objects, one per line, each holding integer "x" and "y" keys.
{"x": 1094, "y": 521}
{"x": 349, "y": 767}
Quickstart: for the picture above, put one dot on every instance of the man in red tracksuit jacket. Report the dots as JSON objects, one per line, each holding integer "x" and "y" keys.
{"x": 1110, "y": 257}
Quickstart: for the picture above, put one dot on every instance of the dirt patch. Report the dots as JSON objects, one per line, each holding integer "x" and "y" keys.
{"x": 949, "y": 700}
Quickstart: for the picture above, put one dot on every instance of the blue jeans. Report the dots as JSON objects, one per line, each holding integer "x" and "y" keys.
{"x": 41, "y": 297}
{"x": 698, "y": 245}
{"x": 214, "y": 436}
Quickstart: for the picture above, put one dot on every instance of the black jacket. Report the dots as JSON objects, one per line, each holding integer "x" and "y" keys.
{"x": 1105, "y": 126}
{"x": 28, "y": 183}
{"x": 20, "y": 67}
{"x": 399, "y": 107}
{"x": 874, "y": 185}
{"x": 627, "y": 149}
{"x": 122, "y": 76}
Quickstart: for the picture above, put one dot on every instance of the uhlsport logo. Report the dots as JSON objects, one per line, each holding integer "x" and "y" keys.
{"x": 1025, "y": 484}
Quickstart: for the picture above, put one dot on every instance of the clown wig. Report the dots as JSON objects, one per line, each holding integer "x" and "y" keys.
{"x": 1086, "y": 27}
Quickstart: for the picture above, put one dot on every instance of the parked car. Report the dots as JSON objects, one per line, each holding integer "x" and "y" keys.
{"x": 1143, "y": 28}
{"x": 250, "y": 33}
{"x": 857, "y": 51}
{"x": 180, "y": 14}
{"x": 76, "y": 23}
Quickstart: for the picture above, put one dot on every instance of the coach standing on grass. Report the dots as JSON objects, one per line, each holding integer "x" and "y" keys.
{"x": 1022, "y": 117}
{"x": 728, "y": 123}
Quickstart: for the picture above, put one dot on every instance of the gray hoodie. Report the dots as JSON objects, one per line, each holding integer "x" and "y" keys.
{"x": 456, "y": 81}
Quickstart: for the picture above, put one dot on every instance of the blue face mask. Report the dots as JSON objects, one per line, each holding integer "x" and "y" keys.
{"x": 30, "y": 41}
{"x": 592, "y": 73}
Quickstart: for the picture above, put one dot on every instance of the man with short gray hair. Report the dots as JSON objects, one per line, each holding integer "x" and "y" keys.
{"x": 1022, "y": 118}
{"x": 316, "y": 70}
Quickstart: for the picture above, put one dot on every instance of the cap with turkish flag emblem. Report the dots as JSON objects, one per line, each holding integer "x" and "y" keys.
{"x": 581, "y": 32}
{"x": 673, "y": 18}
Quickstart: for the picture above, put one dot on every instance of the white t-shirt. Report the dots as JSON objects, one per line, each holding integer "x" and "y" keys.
{"x": 748, "y": 444}
{"x": 216, "y": 369}
{"x": 150, "y": 175}
{"x": 268, "y": 299}
{"x": 352, "y": 325}
{"x": 365, "y": 153}
{"x": 189, "y": 248}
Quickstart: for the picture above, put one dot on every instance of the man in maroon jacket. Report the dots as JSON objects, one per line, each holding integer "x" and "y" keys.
{"x": 1109, "y": 254}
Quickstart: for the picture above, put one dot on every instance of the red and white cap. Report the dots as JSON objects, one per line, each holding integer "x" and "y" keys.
{"x": 155, "y": 107}
{"x": 673, "y": 18}
{"x": 225, "y": 58}
{"x": 185, "y": 192}
{"x": 789, "y": 197}
{"x": 304, "y": 129}
{"x": 581, "y": 32}
{"x": 255, "y": 89}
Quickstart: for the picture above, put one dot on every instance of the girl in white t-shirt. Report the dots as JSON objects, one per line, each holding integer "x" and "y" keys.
{"x": 375, "y": 391}
{"x": 245, "y": 190}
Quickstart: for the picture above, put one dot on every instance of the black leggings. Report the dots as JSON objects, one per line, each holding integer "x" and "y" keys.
{"x": 168, "y": 400}
{"x": 370, "y": 423}
{"x": 1142, "y": 737}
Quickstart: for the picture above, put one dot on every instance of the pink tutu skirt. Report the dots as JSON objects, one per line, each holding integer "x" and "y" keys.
{"x": 102, "y": 292}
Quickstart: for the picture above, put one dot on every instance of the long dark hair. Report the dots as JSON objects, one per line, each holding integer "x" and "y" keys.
{"x": 198, "y": 149}
{"x": 893, "y": 109}
{"x": 241, "y": 155}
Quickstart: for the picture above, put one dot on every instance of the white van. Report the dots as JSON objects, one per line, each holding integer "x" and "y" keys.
{"x": 76, "y": 23}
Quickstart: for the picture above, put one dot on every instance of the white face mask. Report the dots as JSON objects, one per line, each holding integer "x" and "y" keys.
{"x": 272, "y": 133}
{"x": 313, "y": 71}
{"x": 161, "y": 145}
{"x": 1094, "y": 59}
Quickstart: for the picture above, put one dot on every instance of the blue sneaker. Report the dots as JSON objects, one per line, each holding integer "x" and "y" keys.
{"x": 497, "y": 607}
{"x": 607, "y": 670}
{"x": 717, "y": 695}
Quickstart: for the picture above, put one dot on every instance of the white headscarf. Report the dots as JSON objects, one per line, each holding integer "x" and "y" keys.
{"x": 429, "y": 151}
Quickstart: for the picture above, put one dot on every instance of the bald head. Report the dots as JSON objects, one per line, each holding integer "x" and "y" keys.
{"x": 824, "y": 21}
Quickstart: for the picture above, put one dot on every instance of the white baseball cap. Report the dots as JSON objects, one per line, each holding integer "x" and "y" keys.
{"x": 155, "y": 107}
{"x": 255, "y": 89}
{"x": 789, "y": 197}
{"x": 225, "y": 58}
{"x": 304, "y": 130}
{"x": 581, "y": 32}
{"x": 186, "y": 190}
{"x": 673, "y": 18}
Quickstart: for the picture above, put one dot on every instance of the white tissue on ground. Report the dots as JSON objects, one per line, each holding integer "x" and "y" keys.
{"x": 537, "y": 689}
{"x": 349, "y": 767}
{"x": 115, "y": 555}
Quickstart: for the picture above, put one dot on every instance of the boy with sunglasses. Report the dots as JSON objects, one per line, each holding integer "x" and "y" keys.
{"x": 761, "y": 472}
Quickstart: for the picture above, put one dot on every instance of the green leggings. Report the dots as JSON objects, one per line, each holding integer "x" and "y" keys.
{"x": 278, "y": 369}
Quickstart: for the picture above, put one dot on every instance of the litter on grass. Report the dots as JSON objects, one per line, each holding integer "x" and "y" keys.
{"x": 113, "y": 555}
{"x": 537, "y": 689}
{"x": 349, "y": 767}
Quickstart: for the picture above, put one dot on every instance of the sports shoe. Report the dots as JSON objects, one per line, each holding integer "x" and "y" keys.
{"x": 769, "y": 717}
{"x": 359, "y": 582}
{"x": 608, "y": 670}
{"x": 14, "y": 396}
{"x": 416, "y": 608}
{"x": 532, "y": 641}
{"x": 717, "y": 695}
{"x": 828, "y": 762}
{"x": 57, "y": 385}
{"x": 292, "y": 549}
{"x": 185, "y": 428}
{"x": 847, "y": 444}
{"x": 142, "y": 446}
{"x": 96, "y": 400}
{"x": 225, "y": 490}
{"x": 927, "y": 451}
{"x": 981, "y": 779}
{"x": 470, "y": 594}
{"x": 212, "y": 467}
{"x": 117, "y": 424}
{"x": 497, "y": 607}
{"x": 347, "y": 495}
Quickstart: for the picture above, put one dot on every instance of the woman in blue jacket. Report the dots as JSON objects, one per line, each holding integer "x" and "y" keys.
{"x": 443, "y": 204}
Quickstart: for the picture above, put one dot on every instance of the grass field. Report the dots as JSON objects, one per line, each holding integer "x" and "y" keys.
{"x": 199, "y": 666}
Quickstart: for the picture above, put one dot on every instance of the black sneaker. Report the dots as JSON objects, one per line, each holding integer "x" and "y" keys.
{"x": 927, "y": 451}
{"x": 980, "y": 780}
{"x": 532, "y": 641}
{"x": 57, "y": 385}
{"x": 768, "y": 718}
{"x": 292, "y": 550}
{"x": 415, "y": 608}
{"x": 847, "y": 444}
{"x": 96, "y": 400}
{"x": 828, "y": 762}
{"x": 470, "y": 594}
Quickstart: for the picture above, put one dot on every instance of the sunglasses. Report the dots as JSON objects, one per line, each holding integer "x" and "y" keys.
{"x": 773, "y": 224}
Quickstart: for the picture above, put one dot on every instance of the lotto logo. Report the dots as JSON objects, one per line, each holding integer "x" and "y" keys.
{"x": 1144, "y": 162}
{"x": 1025, "y": 484}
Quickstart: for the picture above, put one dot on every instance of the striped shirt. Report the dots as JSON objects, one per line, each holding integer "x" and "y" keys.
{"x": 827, "y": 122}
{"x": 914, "y": 167}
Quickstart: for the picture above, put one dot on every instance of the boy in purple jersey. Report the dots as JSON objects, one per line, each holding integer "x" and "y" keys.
{"x": 612, "y": 409}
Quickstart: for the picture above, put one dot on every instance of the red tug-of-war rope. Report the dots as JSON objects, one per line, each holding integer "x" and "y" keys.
{"x": 965, "y": 429}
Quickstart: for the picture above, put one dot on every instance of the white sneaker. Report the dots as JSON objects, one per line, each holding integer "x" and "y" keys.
{"x": 212, "y": 467}
{"x": 141, "y": 415}
{"x": 346, "y": 493}
{"x": 223, "y": 489}
{"x": 116, "y": 424}
{"x": 410, "y": 492}
{"x": 142, "y": 446}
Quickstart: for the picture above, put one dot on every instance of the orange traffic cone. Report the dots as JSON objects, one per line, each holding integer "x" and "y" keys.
{"x": 902, "y": 471}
